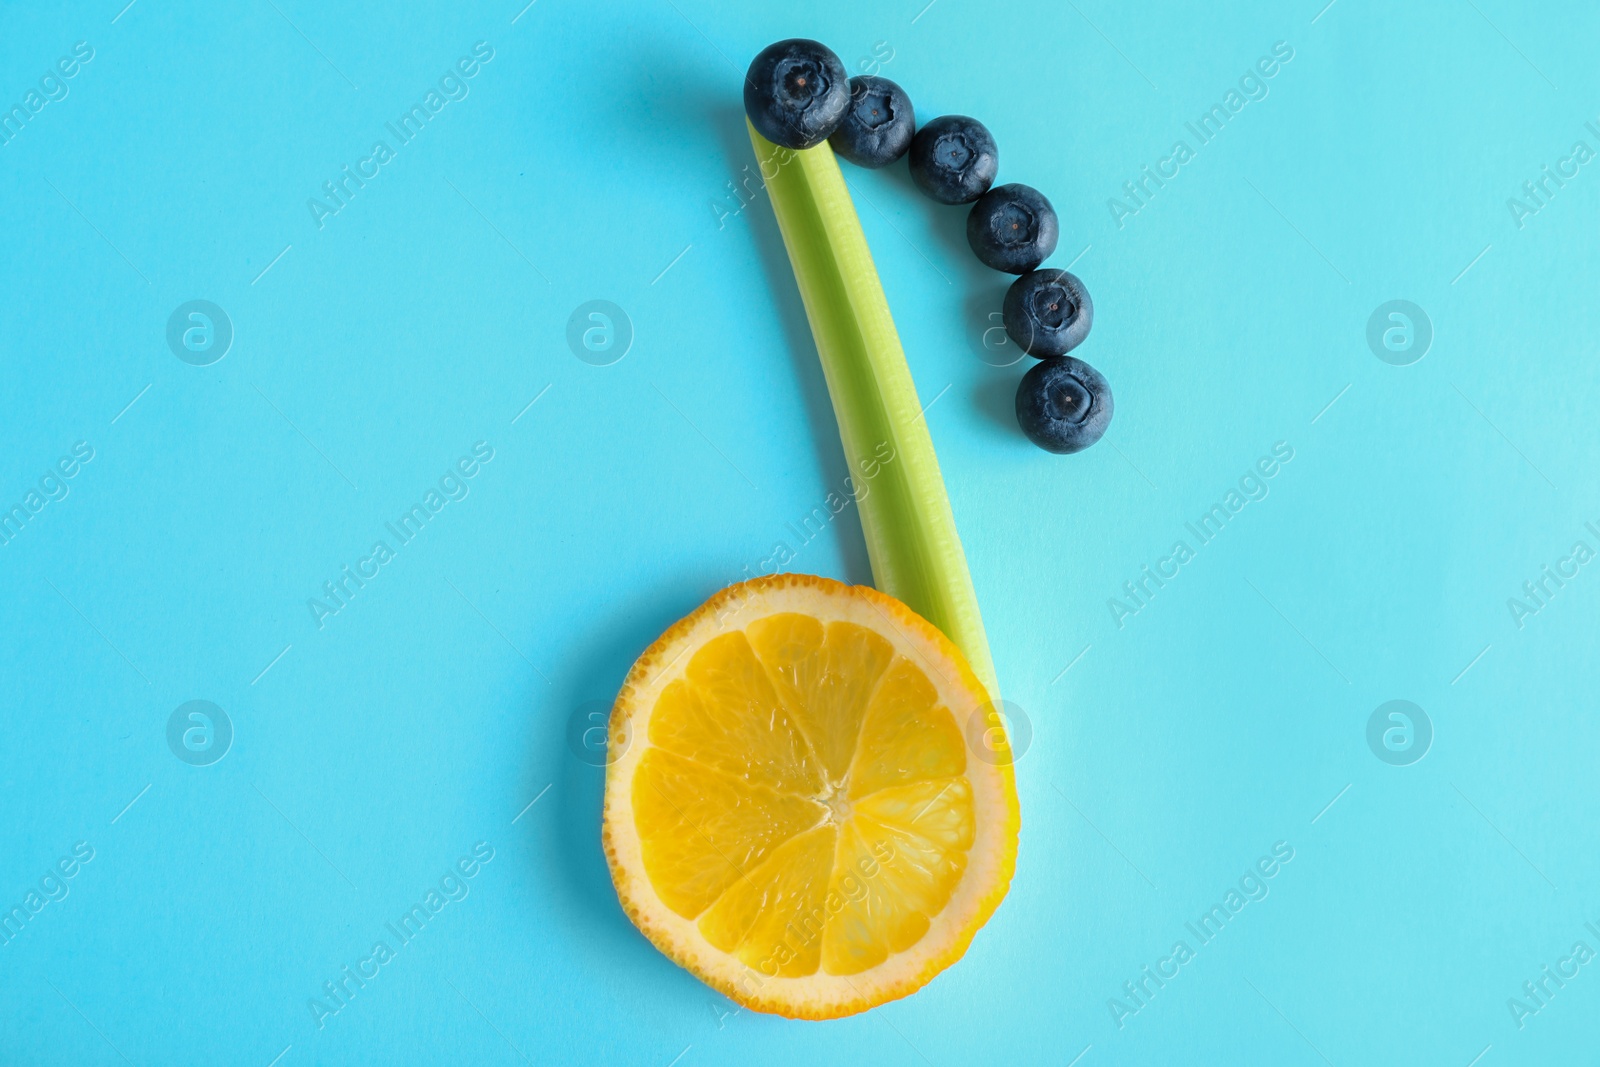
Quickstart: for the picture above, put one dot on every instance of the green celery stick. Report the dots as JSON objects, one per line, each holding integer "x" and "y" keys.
{"x": 911, "y": 534}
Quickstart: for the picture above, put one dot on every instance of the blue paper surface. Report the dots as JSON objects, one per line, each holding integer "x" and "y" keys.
{"x": 245, "y": 345}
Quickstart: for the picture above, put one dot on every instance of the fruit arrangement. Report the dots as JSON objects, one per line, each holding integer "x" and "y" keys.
{"x": 797, "y": 96}
{"x": 810, "y": 802}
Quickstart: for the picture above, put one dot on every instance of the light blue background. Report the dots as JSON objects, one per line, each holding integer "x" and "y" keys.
{"x": 586, "y": 162}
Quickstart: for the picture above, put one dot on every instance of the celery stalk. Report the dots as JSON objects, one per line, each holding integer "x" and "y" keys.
{"x": 911, "y": 534}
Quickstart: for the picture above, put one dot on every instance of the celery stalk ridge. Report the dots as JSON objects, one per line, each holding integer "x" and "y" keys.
{"x": 910, "y": 531}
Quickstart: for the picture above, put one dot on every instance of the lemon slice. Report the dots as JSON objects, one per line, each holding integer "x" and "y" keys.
{"x": 793, "y": 811}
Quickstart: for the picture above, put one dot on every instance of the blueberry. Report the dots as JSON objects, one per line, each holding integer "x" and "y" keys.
{"x": 954, "y": 159}
{"x": 1063, "y": 405}
{"x": 1048, "y": 312}
{"x": 796, "y": 93}
{"x": 878, "y": 125}
{"x": 1012, "y": 228}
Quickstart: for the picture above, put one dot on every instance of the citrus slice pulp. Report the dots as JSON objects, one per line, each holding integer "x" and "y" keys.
{"x": 793, "y": 810}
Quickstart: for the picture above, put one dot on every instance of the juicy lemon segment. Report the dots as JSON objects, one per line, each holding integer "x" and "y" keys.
{"x": 725, "y": 713}
{"x": 907, "y": 736}
{"x": 797, "y": 820}
{"x": 701, "y": 830}
{"x": 825, "y": 676}
{"x": 899, "y": 861}
{"x": 756, "y": 915}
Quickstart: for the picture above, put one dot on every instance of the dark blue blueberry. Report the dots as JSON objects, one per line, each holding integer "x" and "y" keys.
{"x": 796, "y": 93}
{"x": 1047, "y": 312}
{"x": 877, "y": 126}
{"x": 1063, "y": 405}
{"x": 954, "y": 159}
{"x": 1012, "y": 228}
